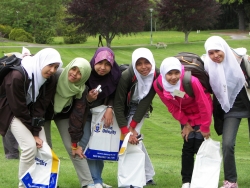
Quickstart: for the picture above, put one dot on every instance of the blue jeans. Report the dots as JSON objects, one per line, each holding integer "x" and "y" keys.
{"x": 95, "y": 166}
{"x": 230, "y": 129}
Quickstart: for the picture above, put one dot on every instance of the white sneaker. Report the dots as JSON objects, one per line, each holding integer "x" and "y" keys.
{"x": 98, "y": 185}
{"x": 106, "y": 185}
{"x": 91, "y": 186}
{"x": 185, "y": 185}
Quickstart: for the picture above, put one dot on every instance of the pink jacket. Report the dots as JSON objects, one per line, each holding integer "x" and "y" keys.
{"x": 196, "y": 111}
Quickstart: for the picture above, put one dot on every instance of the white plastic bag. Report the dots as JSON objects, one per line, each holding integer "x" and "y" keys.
{"x": 45, "y": 171}
{"x": 104, "y": 142}
{"x": 131, "y": 165}
{"x": 207, "y": 165}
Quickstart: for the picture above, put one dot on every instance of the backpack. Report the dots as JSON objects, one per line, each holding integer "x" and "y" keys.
{"x": 245, "y": 64}
{"x": 8, "y": 63}
{"x": 194, "y": 66}
{"x": 123, "y": 67}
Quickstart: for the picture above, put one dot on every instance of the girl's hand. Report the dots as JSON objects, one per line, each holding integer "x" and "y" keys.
{"x": 186, "y": 130}
{"x": 92, "y": 95}
{"x": 39, "y": 142}
{"x": 108, "y": 117}
{"x": 77, "y": 151}
{"x": 133, "y": 137}
{"x": 133, "y": 131}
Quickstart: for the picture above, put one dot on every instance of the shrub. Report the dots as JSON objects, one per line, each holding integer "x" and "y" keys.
{"x": 72, "y": 37}
{"x": 44, "y": 37}
{"x": 5, "y": 30}
{"x": 75, "y": 39}
{"x": 20, "y": 35}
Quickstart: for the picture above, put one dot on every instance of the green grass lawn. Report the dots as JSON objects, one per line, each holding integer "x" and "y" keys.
{"x": 161, "y": 132}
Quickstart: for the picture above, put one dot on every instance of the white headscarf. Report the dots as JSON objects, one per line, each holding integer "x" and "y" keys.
{"x": 168, "y": 64}
{"x": 144, "y": 82}
{"x": 226, "y": 78}
{"x": 35, "y": 64}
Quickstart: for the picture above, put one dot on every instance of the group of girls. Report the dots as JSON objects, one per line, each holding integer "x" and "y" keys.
{"x": 67, "y": 99}
{"x": 70, "y": 94}
{"x": 229, "y": 105}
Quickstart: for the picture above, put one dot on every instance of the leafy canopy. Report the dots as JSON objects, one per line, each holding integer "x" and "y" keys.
{"x": 186, "y": 15}
{"x": 108, "y": 18}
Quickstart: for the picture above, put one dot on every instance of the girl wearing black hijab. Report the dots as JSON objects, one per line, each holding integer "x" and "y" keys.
{"x": 105, "y": 72}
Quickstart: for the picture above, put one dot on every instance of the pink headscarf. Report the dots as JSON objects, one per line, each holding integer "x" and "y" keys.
{"x": 104, "y": 55}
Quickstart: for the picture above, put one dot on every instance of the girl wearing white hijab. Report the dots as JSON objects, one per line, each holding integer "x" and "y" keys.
{"x": 193, "y": 113}
{"x": 230, "y": 100}
{"x": 144, "y": 81}
{"x": 133, "y": 98}
{"x": 19, "y": 106}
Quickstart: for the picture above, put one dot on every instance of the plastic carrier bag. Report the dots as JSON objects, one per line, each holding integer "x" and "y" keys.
{"x": 45, "y": 171}
{"x": 131, "y": 165}
{"x": 104, "y": 142}
{"x": 207, "y": 165}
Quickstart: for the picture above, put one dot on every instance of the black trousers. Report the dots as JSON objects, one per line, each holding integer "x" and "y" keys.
{"x": 189, "y": 149}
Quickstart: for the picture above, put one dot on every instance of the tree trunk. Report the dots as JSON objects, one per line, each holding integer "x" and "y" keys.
{"x": 241, "y": 19}
{"x": 108, "y": 42}
{"x": 239, "y": 9}
{"x": 186, "y": 36}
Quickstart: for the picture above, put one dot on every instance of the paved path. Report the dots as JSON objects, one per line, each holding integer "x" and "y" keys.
{"x": 234, "y": 36}
{"x": 237, "y": 35}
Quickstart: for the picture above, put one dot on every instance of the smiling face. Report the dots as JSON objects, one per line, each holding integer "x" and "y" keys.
{"x": 74, "y": 75}
{"x": 173, "y": 76}
{"x": 49, "y": 70}
{"x": 143, "y": 66}
{"x": 216, "y": 56}
{"x": 103, "y": 67}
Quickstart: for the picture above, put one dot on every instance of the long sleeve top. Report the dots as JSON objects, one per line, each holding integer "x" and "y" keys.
{"x": 13, "y": 103}
{"x": 196, "y": 110}
{"x": 124, "y": 93}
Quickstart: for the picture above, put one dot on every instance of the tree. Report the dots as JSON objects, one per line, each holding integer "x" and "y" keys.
{"x": 228, "y": 19}
{"x": 108, "y": 18}
{"x": 241, "y": 7}
{"x": 34, "y": 16}
{"x": 188, "y": 15}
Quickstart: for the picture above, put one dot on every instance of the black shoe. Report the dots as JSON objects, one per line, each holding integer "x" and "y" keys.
{"x": 150, "y": 182}
{"x": 131, "y": 186}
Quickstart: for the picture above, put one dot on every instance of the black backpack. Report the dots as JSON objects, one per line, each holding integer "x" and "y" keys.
{"x": 123, "y": 67}
{"x": 194, "y": 66}
{"x": 8, "y": 63}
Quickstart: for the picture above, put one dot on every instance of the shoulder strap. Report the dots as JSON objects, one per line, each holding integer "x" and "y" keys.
{"x": 133, "y": 79}
{"x": 159, "y": 85}
{"x": 21, "y": 70}
{"x": 246, "y": 59}
{"x": 187, "y": 83}
{"x": 249, "y": 129}
{"x": 244, "y": 70}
